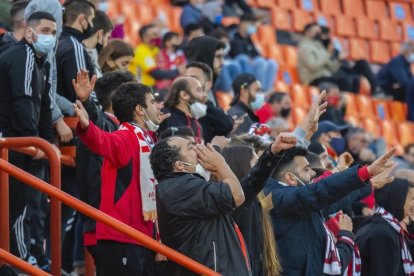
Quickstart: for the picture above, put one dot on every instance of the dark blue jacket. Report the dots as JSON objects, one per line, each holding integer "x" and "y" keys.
{"x": 410, "y": 100}
{"x": 298, "y": 222}
{"x": 396, "y": 71}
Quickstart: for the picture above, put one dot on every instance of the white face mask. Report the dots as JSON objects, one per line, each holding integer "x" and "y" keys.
{"x": 199, "y": 170}
{"x": 198, "y": 109}
{"x": 150, "y": 124}
{"x": 300, "y": 181}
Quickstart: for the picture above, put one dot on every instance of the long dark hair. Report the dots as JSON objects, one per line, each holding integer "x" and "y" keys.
{"x": 238, "y": 158}
{"x": 115, "y": 49}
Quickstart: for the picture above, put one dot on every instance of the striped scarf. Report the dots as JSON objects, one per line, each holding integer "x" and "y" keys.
{"x": 332, "y": 263}
{"x": 405, "y": 253}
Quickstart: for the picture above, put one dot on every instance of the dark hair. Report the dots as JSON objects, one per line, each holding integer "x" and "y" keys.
{"x": 314, "y": 160}
{"x": 208, "y": 73}
{"x": 328, "y": 86}
{"x": 73, "y": 8}
{"x": 352, "y": 131}
{"x": 309, "y": 26}
{"x": 126, "y": 97}
{"x": 162, "y": 158}
{"x": 287, "y": 164}
{"x": 277, "y": 97}
{"x": 248, "y": 140}
{"x": 168, "y": 36}
{"x": 219, "y": 34}
{"x": 35, "y": 17}
{"x": 102, "y": 22}
{"x": 316, "y": 147}
{"x": 248, "y": 17}
{"x": 173, "y": 96}
{"x": 17, "y": 9}
{"x": 408, "y": 147}
{"x": 144, "y": 29}
{"x": 191, "y": 28}
{"x": 238, "y": 158}
{"x": 325, "y": 30}
{"x": 178, "y": 131}
{"x": 115, "y": 49}
{"x": 108, "y": 83}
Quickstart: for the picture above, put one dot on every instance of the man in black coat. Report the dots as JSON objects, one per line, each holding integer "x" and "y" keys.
{"x": 195, "y": 213}
{"x": 382, "y": 238}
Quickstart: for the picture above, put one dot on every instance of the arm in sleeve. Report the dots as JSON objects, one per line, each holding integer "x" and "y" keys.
{"x": 217, "y": 120}
{"x": 398, "y": 73}
{"x": 347, "y": 200}
{"x": 45, "y": 120}
{"x": 56, "y": 112}
{"x": 70, "y": 64}
{"x": 254, "y": 182}
{"x": 64, "y": 105}
{"x": 160, "y": 74}
{"x": 236, "y": 48}
{"x": 312, "y": 59}
{"x": 310, "y": 198}
{"x": 116, "y": 147}
{"x": 345, "y": 246}
{"x": 188, "y": 17}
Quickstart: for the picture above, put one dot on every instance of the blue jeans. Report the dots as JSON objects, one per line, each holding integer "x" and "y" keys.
{"x": 265, "y": 70}
{"x": 231, "y": 69}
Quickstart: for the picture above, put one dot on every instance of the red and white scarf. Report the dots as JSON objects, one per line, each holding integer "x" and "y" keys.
{"x": 332, "y": 262}
{"x": 405, "y": 253}
{"x": 146, "y": 176}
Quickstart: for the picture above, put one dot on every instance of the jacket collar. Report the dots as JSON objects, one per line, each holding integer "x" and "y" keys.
{"x": 68, "y": 31}
{"x": 41, "y": 59}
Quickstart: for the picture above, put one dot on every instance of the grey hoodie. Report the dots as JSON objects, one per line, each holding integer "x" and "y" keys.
{"x": 60, "y": 105}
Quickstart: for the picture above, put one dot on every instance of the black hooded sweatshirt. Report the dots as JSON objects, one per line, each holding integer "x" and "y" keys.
{"x": 378, "y": 242}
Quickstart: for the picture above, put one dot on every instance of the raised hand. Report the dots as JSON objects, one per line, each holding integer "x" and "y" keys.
{"x": 64, "y": 132}
{"x": 345, "y": 160}
{"x": 345, "y": 223}
{"x": 83, "y": 85}
{"x": 82, "y": 114}
{"x": 310, "y": 123}
{"x": 383, "y": 178}
{"x": 209, "y": 158}
{"x": 381, "y": 164}
{"x": 283, "y": 141}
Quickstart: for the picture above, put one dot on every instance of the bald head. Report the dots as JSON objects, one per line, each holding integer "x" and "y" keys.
{"x": 405, "y": 174}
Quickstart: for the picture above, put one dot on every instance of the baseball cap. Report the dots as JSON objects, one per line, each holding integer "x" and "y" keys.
{"x": 327, "y": 126}
{"x": 241, "y": 81}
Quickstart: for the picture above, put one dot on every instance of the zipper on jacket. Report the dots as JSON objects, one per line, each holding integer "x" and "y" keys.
{"x": 215, "y": 256}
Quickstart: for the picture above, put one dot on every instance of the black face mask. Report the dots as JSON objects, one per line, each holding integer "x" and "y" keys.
{"x": 99, "y": 48}
{"x": 88, "y": 32}
{"x": 318, "y": 36}
{"x": 326, "y": 42}
{"x": 284, "y": 112}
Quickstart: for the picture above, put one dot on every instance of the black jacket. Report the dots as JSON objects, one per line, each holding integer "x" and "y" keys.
{"x": 215, "y": 123}
{"x": 89, "y": 165}
{"x": 242, "y": 46}
{"x": 71, "y": 57}
{"x": 25, "y": 106}
{"x": 179, "y": 118}
{"x": 239, "y": 109}
{"x": 378, "y": 242}
{"x": 195, "y": 218}
{"x": 298, "y": 221}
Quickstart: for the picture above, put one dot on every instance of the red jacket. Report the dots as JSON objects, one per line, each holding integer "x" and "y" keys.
{"x": 120, "y": 190}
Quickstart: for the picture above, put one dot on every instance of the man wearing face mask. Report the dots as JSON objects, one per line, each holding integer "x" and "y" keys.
{"x": 192, "y": 14}
{"x": 330, "y": 135}
{"x": 185, "y": 102}
{"x": 102, "y": 28}
{"x": 195, "y": 212}
{"x": 335, "y": 110}
{"x": 25, "y": 110}
{"x": 128, "y": 183}
{"x": 71, "y": 54}
{"x": 248, "y": 98}
{"x": 279, "y": 104}
{"x": 242, "y": 49}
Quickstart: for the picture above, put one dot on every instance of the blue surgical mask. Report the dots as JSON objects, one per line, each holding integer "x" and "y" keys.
{"x": 258, "y": 102}
{"x": 251, "y": 30}
{"x": 338, "y": 145}
{"x": 411, "y": 58}
{"x": 44, "y": 43}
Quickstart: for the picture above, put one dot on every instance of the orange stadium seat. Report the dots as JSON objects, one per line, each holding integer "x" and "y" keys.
{"x": 351, "y": 105}
{"x": 144, "y": 13}
{"x": 398, "y": 112}
{"x": 274, "y": 52}
{"x": 358, "y": 49}
{"x": 382, "y": 109}
{"x": 365, "y": 107}
{"x": 281, "y": 86}
{"x": 267, "y": 34}
{"x": 380, "y": 52}
{"x": 300, "y": 96}
{"x": 331, "y": 7}
{"x": 406, "y": 133}
{"x": 372, "y": 127}
{"x": 313, "y": 93}
{"x": 300, "y": 18}
{"x": 267, "y": 4}
{"x": 390, "y": 30}
{"x": 298, "y": 114}
{"x": 353, "y": 120}
{"x": 395, "y": 49}
{"x": 224, "y": 100}
{"x": 288, "y": 74}
{"x": 389, "y": 132}
{"x": 286, "y": 4}
{"x": 291, "y": 55}
{"x": 281, "y": 19}
{"x": 308, "y": 5}
{"x": 345, "y": 26}
{"x": 408, "y": 31}
{"x": 230, "y": 20}
{"x": 400, "y": 11}
{"x": 366, "y": 28}
{"x": 376, "y": 10}
{"x": 354, "y": 8}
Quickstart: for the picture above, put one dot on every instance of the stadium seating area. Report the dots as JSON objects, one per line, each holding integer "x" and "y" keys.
{"x": 369, "y": 29}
